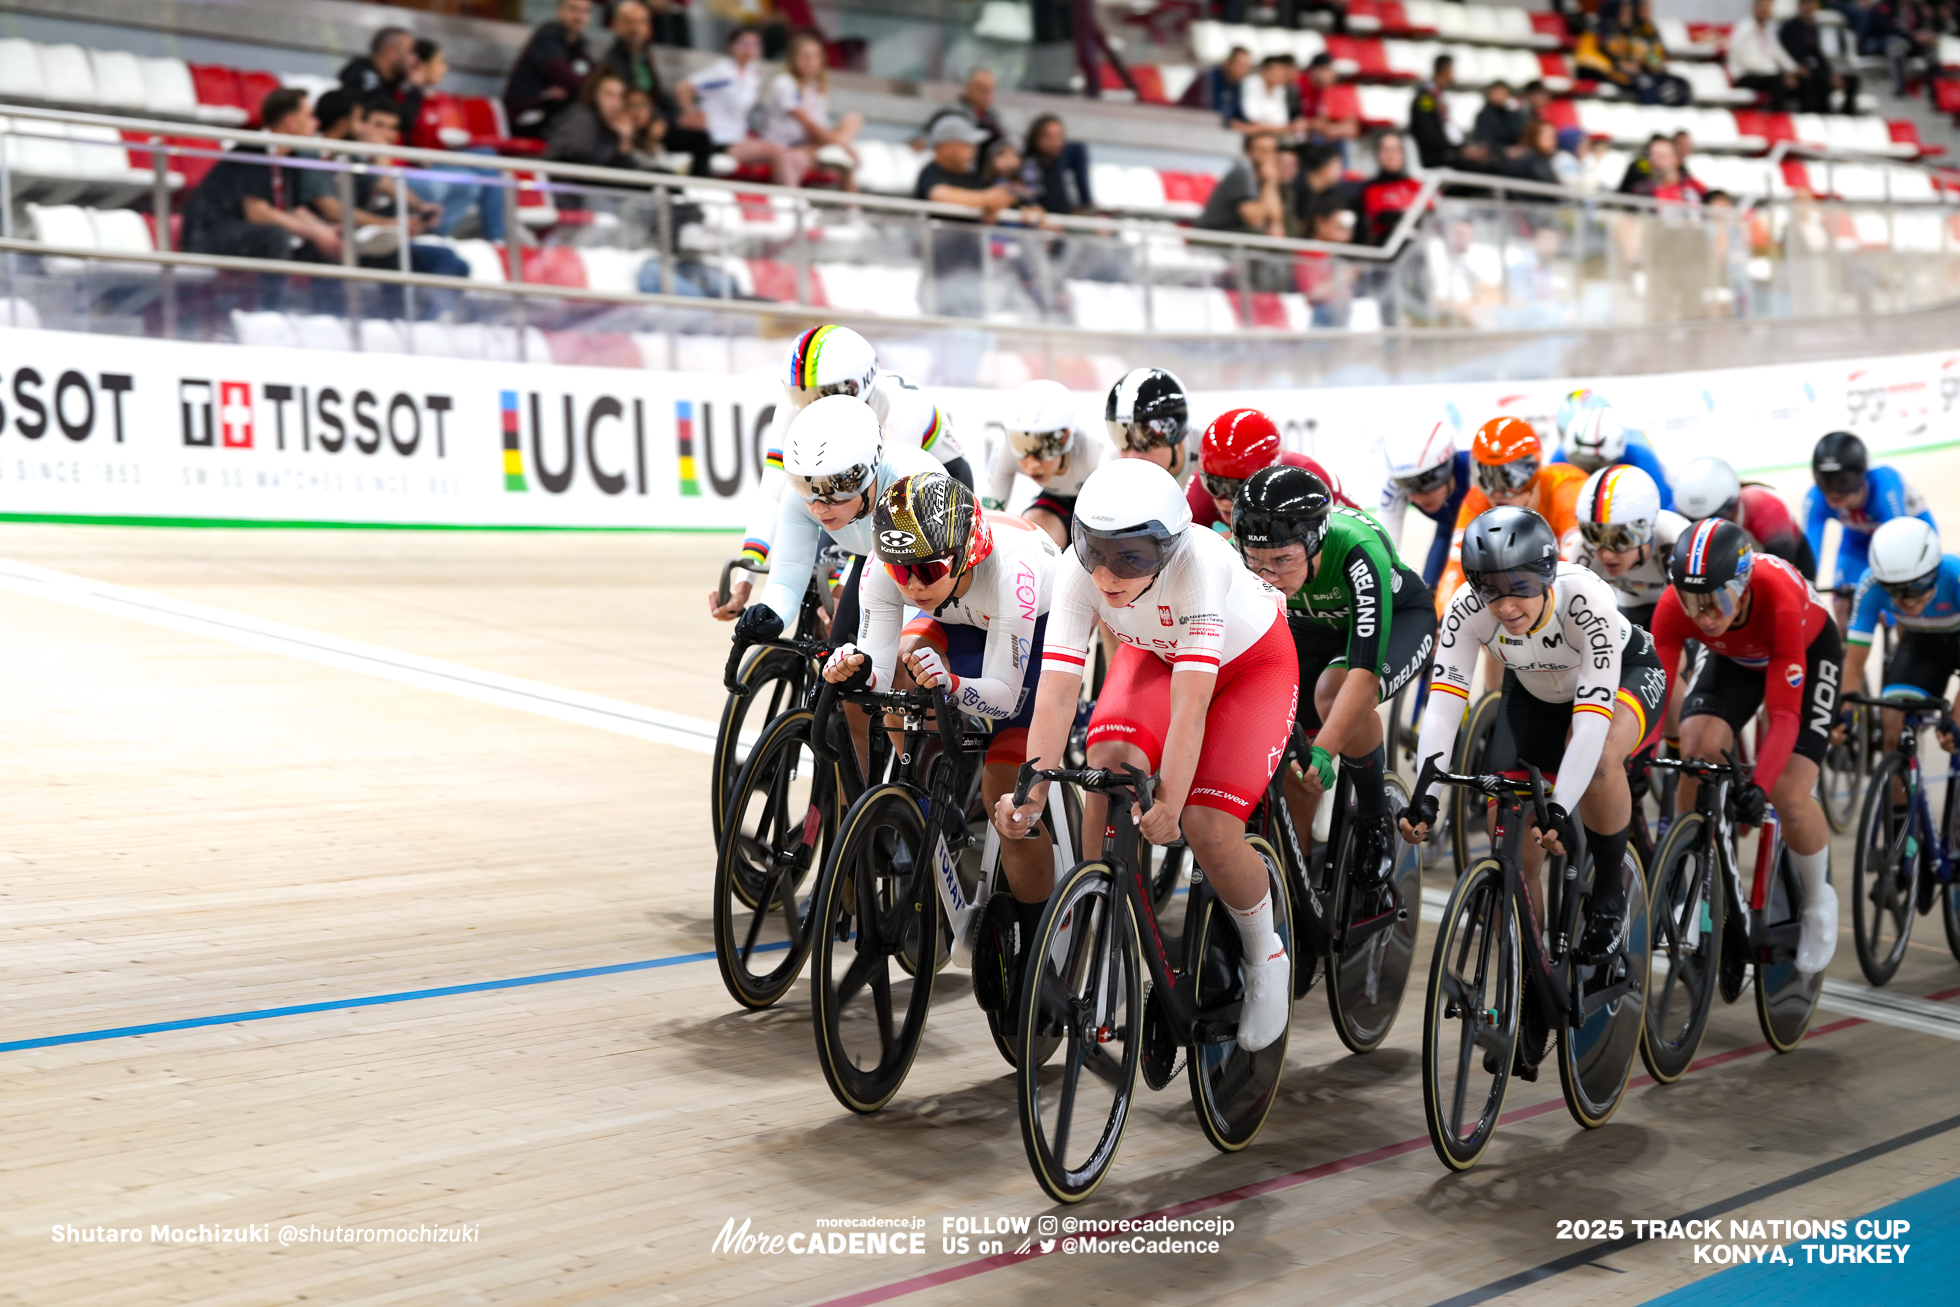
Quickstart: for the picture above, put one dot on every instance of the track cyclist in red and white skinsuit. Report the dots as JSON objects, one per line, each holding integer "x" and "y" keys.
{"x": 1202, "y": 691}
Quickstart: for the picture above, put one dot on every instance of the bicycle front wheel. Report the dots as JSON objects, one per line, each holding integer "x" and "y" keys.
{"x": 1470, "y": 814}
{"x": 775, "y": 680}
{"x": 1234, "y": 1089}
{"x": 1470, "y": 1026}
{"x": 1950, "y": 915}
{"x": 1884, "y": 876}
{"x": 1688, "y": 910}
{"x": 1786, "y": 999}
{"x": 1366, "y": 980}
{"x": 1841, "y": 775}
{"x": 879, "y": 921}
{"x": 1596, "y": 1056}
{"x": 1087, "y": 988}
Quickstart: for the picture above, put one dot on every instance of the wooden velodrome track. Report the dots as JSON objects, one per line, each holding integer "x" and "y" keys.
{"x": 199, "y": 829}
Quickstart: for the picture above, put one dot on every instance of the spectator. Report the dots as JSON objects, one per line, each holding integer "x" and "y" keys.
{"x": 377, "y": 200}
{"x": 796, "y": 116}
{"x": 1684, "y": 145}
{"x": 648, "y": 131}
{"x": 1538, "y": 159}
{"x": 387, "y": 69}
{"x": 951, "y": 178}
{"x": 1439, "y": 142}
{"x": 1328, "y": 281}
{"x": 1500, "y": 123}
{"x": 426, "y": 71}
{"x": 1652, "y": 82}
{"x": 596, "y": 130}
{"x": 1269, "y": 100}
{"x": 1758, "y": 62}
{"x": 1802, "y": 43}
{"x": 1218, "y": 88}
{"x": 248, "y": 206}
{"x": 1320, "y": 172}
{"x": 975, "y": 104}
{"x": 551, "y": 71}
{"x": 1658, "y": 176}
{"x": 1387, "y": 195}
{"x": 1056, "y": 169}
{"x": 1313, "y": 88}
{"x": 457, "y": 198}
{"x": 1537, "y": 100}
{"x": 670, "y": 26}
{"x": 1595, "y": 158}
{"x": 718, "y": 99}
{"x": 1001, "y": 164}
{"x": 1893, "y": 30}
{"x": 635, "y": 32}
{"x": 1248, "y": 198}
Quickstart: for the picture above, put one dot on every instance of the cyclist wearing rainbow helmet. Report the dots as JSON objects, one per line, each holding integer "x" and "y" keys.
{"x": 1861, "y": 497}
{"x": 1428, "y": 472}
{"x": 1201, "y": 691}
{"x": 1596, "y": 438}
{"x": 1709, "y": 487}
{"x": 1509, "y": 471}
{"x": 833, "y": 360}
{"x": 1627, "y": 537}
{"x": 1043, "y": 442}
{"x": 1236, "y": 445}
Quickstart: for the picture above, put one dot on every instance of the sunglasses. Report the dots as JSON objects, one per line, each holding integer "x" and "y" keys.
{"x": 1492, "y": 586}
{"x": 1612, "y": 538}
{"x": 1840, "y": 483}
{"x": 1221, "y": 487}
{"x": 836, "y": 488}
{"x": 1423, "y": 483}
{"x": 930, "y": 572}
{"x": 1912, "y": 589}
{"x": 1725, "y": 600}
{"x": 1147, "y": 434}
{"x": 1042, "y": 445}
{"x": 1506, "y": 478}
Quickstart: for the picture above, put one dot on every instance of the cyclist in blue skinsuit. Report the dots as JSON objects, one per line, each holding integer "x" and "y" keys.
{"x": 1862, "y": 498}
{"x": 1592, "y": 436}
{"x": 1428, "y": 471}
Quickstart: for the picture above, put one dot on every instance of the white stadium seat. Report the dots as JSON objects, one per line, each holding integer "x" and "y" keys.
{"x": 20, "y": 71}
{"x": 118, "y": 78}
{"x": 121, "y": 230}
{"x": 168, "y": 88}
{"x": 1910, "y": 185}
{"x": 68, "y": 75}
{"x": 1209, "y": 44}
{"x": 61, "y": 224}
{"x": 1386, "y": 104}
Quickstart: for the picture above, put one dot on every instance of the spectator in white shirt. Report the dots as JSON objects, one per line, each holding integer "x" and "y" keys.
{"x": 1758, "y": 62}
{"x": 719, "y": 98}
{"x": 1269, "y": 101}
{"x": 796, "y": 116}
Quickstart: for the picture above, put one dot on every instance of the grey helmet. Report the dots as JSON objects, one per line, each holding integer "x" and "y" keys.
{"x": 1509, "y": 552}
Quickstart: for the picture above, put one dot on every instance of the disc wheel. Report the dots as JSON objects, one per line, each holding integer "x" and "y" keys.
{"x": 1233, "y": 1088}
{"x": 880, "y": 916}
{"x": 1366, "y": 981}
{"x": 775, "y": 680}
{"x": 1089, "y": 993}
{"x": 1885, "y": 874}
{"x": 1470, "y": 814}
{"x": 1841, "y": 776}
{"x": 1470, "y": 1025}
{"x": 782, "y": 817}
{"x": 1687, "y": 908}
{"x": 1596, "y": 1056}
{"x": 1786, "y": 999}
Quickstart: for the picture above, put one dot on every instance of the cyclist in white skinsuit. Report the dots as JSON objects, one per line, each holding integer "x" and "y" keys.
{"x": 1042, "y": 441}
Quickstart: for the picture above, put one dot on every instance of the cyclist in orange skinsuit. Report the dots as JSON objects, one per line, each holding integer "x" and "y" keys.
{"x": 1509, "y": 471}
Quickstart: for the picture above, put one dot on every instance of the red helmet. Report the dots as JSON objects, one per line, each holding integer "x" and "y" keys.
{"x": 1236, "y": 445}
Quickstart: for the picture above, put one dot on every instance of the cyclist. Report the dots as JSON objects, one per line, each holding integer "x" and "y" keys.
{"x": 1148, "y": 417}
{"x": 1862, "y": 498}
{"x": 1626, "y": 537}
{"x": 981, "y": 583}
{"x": 1236, "y": 445}
{"x": 1202, "y": 691}
{"x": 1510, "y": 473}
{"x": 1768, "y": 643}
{"x": 1043, "y": 443}
{"x": 1598, "y": 439}
{"x": 1582, "y": 690}
{"x": 1709, "y": 487}
{"x": 1427, "y": 471}
{"x": 1917, "y": 589}
{"x": 833, "y": 360}
{"x": 1362, "y": 627}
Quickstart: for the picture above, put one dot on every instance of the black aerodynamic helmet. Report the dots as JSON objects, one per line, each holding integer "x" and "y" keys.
{"x": 1280, "y": 506}
{"x": 1838, "y": 463}
{"x": 1710, "y": 566}
{"x": 1147, "y": 409}
{"x": 1509, "y": 553}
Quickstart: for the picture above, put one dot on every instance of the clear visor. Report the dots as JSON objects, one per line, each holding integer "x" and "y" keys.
{"x": 1424, "y": 483}
{"x": 1151, "y": 433}
{"x": 1519, "y": 584}
{"x": 1615, "y": 537}
{"x": 1506, "y": 478}
{"x": 1128, "y": 555}
{"x": 832, "y": 488}
{"x": 1047, "y": 446}
{"x": 1724, "y": 600}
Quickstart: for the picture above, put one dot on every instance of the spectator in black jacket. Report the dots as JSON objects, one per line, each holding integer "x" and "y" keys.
{"x": 670, "y": 24}
{"x": 249, "y": 206}
{"x": 550, "y": 72}
{"x": 596, "y": 130}
{"x": 1387, "y": 195}
{"x": 1055, "y": 168}
{"x": 631, "y": 56}
{"x": 385, "y": 70}
{"x": 1800, "y": 40}
{"x": 1500, "y": 123}
{"x": 1439, "y": 144}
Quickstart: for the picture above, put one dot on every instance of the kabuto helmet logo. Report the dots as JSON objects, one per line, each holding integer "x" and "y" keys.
{"x": 896, "y": 540}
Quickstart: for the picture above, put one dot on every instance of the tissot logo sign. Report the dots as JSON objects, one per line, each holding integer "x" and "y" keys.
{"x": 77, "y": 405}
{"x": 276, "y": 416}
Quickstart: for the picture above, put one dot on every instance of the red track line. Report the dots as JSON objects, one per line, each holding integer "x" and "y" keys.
{"x": 1292, "y": 1179}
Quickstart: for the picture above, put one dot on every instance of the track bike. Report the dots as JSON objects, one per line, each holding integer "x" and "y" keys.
{"x": 1495, "y": 973}
{"x": 1902, "y": 864}
{"x": 1849, "y": 760}
{"x": 903, "y": 888}
{"x": 1708, "y": 932}
{"x": 1083, "y": 984}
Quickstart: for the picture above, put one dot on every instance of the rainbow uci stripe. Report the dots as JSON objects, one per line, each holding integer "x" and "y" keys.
{"x": 803, "y": 357}
{"x": 684, "y": 444}
{"x": 513, "y": 449}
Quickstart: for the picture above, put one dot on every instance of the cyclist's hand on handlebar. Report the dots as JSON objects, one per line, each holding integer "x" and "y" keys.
{"x": 847, "y": 664}
{"x": 1160, "y": 824}
{"x": 1557, "y": 837}
{"x": 1948, "y": 732}
{"x": 1018, "y": 823}
{"x": 758, "y": 623}
{"x": 929, "y": 669}
{"x": 1751, "y": 804}
{"x": 1419, "y": 818}
{"x": 738, "y": 599}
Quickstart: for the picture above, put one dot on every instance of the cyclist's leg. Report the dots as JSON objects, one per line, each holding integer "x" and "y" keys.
{"x": 1127, "y": 729}
{"x": 1607, "y": 806}
{"x": 844, "y": 629}
{"x": 1794, "y": 796}
{"x": 1314, "y": 649}
{"x": 1853, "y": 560}
{"x": 1920, "y": 664}
{"x": 1720, "y": 702}
{"x": 1029, "y": 865}
{"x": 1533, "y": 731}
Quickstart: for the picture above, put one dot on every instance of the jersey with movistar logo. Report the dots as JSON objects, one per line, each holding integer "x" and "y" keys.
{"x": 1355, "y": 587}
{"x": 1941, "y": 613}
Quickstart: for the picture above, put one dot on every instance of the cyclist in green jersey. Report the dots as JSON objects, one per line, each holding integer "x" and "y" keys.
{"x": 1363, "y": 627}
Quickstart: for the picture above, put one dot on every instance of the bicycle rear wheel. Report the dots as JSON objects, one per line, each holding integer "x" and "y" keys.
{"x": 1596, "y": 1057}
{"x": 1470, "y": 814}
{"x": 1950, "y": 917}
{"x": 1366, "y": 980}
{"x": 1687, "y": 910}
{"x": 775, "y": 681}
{"x": 1884, "y": 876}
{"x": 1786, "y": 999}
{"x": 1841, "y": 776}
{"x": 781, "y": 820}
{"x": 1470, "y": 1026}
{"x": 879, "y": 920}
{"x": 1090, "y": 993}
{"x": 1234, "y": 1089}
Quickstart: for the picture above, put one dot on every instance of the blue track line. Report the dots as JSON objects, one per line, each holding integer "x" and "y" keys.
{"x": 371, "y": 1000}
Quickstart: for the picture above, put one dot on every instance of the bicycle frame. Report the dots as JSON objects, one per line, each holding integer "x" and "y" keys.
{"x": 1764, "y": 942}
{"x": 1323, "y": 936}
{"x": 1916, "y": 714}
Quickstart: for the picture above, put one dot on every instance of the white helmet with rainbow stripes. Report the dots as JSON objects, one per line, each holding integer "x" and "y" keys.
{"x": 1618, "y": 507}
{"x": 828, "y": 360}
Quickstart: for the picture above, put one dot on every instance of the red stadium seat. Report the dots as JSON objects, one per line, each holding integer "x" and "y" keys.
{"x": 1364, "y": 16}
{"x": 1368, "y": 58}
{"x": 1771, "y": 127}
{"x": 773, "y": 280}
{"x": 255, "y": 87}
{"x": 1552, "y": 64}
{"x": 1551, "y": 25}
{"x": 1150, "y": 84}
{"x": 554, "y": 265}
{"x": 1562, "y": 114}
{"x": 1268, "y": 310}
{"x": 1796, "y": 173}
{"x": 1946, "y": 95}
{"x": 1716, "y": 34}
{"x": 191, "y": 167}
{"x": 218, "y": 87}
{"x": 1341, "y": 102}
{"x": 483, "y": 119}
{"x": 1904, "y": 132}
{"x": 1395, "y": 19}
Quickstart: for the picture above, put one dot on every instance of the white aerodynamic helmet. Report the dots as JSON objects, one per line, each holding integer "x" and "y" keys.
{"x": 831, "y": 450}
{"x": 1705, "y": 487}
{"x": 1040, "y": 419}
{"x": 1618, "y": 507}
{"x": 1905, "y": 553}
{"x": 1569, "y": 408}
{"x": 1596, "y": 439}
{"x": 828, "y": 360}
{"x": 1130, "y": 517}
{"x": 1422, "y": 459}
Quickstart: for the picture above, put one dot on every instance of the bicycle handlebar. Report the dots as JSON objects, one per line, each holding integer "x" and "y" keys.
{"x": 1102, "y": 780}
{"x": 908, "y": 703}
{"x": 1533, "y": 785}
{"x": 728, "y": 569}
{"x": 1917, "y": 703}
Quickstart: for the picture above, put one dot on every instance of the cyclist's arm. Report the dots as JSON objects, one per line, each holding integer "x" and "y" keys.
{"x": 795, "y": 557}
{"x": 1815, "y": 513}
{"x": 1465, "y": 625}
{"x": 1590, "y": 627}
{"x": 1393, "y": 513}
{"x": 997, "y": 691}
{"x": 1891, "y": 497}
{"x": 1866, "y": 606}
{"x": 881, "y": 618}
{"x": 1368, "y": 572}
{"x": 769, "y": 494}
{"x": 1064, "y": 654}
{"x": 1782, "y": 701}
{"x": 1000, "y": 477}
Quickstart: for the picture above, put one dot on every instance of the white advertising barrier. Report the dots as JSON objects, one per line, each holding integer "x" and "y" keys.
{"x": 101, "y": 427}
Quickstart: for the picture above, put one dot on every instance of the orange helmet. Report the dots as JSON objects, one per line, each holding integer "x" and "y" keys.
{"x": 1506, "y": 453}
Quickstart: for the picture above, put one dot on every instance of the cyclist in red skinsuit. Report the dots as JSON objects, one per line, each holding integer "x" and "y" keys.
{"x": 1204, "y": 508}
{"x": 1764, "y": 515}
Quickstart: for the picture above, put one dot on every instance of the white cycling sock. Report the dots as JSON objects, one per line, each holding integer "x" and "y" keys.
{"x": 1811, "y": 867}
{"x": 1256, "y": 935}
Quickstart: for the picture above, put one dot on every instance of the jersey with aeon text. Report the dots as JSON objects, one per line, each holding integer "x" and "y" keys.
{"x": 1010, "y": 592}
{"x": 1202, "y": 611}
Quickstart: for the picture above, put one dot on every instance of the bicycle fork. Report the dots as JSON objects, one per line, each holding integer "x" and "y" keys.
{"x": 963, "y": 916}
